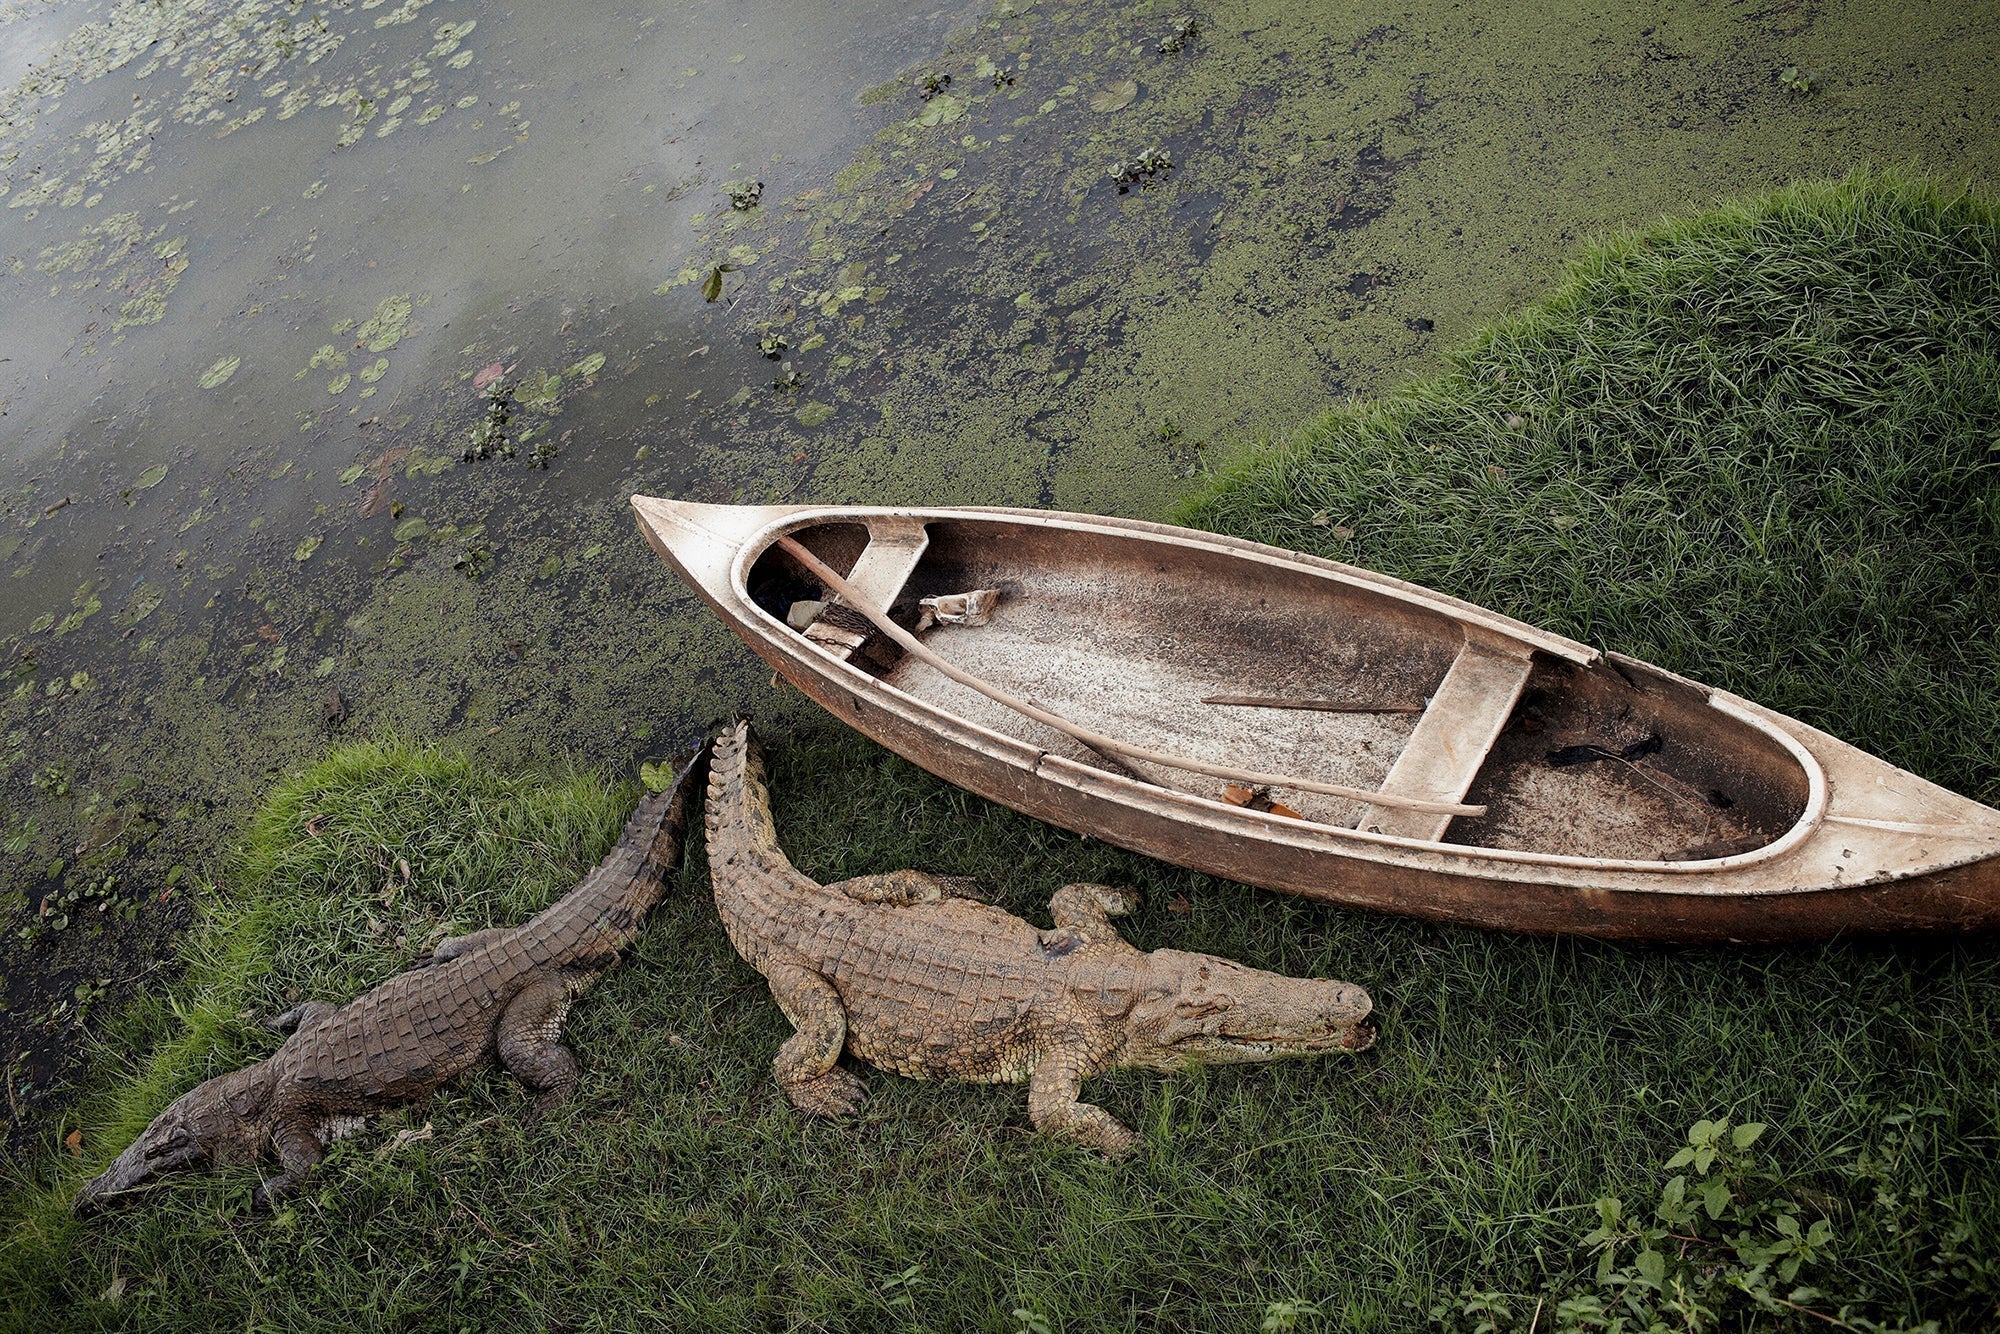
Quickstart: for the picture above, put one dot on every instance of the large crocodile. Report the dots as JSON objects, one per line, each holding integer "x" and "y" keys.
{"x": 501, "y": 993}
{"x": 911, "y": 972}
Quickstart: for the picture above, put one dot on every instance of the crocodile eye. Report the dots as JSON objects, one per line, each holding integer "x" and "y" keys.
{"x": 171, "y": 1144}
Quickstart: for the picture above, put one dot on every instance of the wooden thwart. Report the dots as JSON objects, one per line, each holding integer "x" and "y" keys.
{"x": 1443, "y": 755}
{"x": 1097, "y": 740}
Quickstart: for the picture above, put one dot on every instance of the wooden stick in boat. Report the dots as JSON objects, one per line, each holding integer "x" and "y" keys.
{"x": 1315, "y": 705}
{"x": 1097, "y": 740}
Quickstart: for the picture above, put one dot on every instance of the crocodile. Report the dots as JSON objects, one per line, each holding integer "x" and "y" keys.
{"x": 501, "y": 993}
{"x": 915, "y": 973}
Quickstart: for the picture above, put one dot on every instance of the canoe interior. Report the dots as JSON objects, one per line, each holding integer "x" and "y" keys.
{"x": 1127, "y": 636}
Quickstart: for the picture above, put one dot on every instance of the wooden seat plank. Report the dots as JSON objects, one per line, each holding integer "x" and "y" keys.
{"x": 1451, "y": 740}
{"x": 895, "y": 545}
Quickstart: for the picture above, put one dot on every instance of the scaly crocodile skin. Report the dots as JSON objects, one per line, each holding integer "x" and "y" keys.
{"x": 910, "y": 972}
{"x": 499, "y": 993}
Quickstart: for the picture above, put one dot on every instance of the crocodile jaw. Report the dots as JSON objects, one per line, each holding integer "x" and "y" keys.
{"x": 1203, "y": 1010}
{"x": 218, "y": 1121}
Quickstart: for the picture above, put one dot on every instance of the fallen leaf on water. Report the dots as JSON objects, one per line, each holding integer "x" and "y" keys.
{"x": 215, "y": 375}
{"x": 488, "y": 376}
{"x": 374, "y": 500}
{"x": 1114, "y": 96}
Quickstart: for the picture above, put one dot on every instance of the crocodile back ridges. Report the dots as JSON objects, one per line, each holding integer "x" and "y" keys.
{"x": 755, "y": 883}
{"x": 606, "y": 910}
{"x": 738, "y": 812}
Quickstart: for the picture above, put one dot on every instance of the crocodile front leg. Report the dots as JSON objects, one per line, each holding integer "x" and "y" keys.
{"x": 296, "y": 1138}
{"x": 1090, "y": 908}
{"x": 526, "y": 1041}
{"x": 900, "y": 889}
{"x": 805, "y": 1065}
{"x": 1054, "y": 1107}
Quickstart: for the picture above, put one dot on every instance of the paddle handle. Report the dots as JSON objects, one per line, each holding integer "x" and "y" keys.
{"x": 1097, "y": 740}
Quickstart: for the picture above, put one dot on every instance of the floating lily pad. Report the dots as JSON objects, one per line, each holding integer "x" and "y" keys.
{"x": 540, "y": 391}
{"x": 1114, "y": 96}
{"x": 328, "y": 358}
{"x": 588, "y": 367}
{"x": 220, "y": 372}
{"x": 944, "y": 109}
{"x": 151, "y": 478}
{"x": 338, "y": 384}
{"x": 371, "y": 374}
{"x": 410, "y": 529}
{"x": 352, "y": 473}
{"x": 388, "y": 325}
{"x": 304, "y": 550}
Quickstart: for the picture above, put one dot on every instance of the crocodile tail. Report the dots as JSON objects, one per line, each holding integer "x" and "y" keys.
{"x": 629, "y": 881}
{"x": 738, "y": 814}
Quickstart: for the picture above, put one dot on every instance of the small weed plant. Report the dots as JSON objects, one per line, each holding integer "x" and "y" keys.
{"x": 1726, "y": 1241}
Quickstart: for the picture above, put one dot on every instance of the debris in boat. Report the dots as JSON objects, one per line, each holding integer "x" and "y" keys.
{"x": 1585, "y": 754}
{"x": 1315, "y": 705}
{"x": 974, "y": 608}
{"x": 803, "y": 613}
{"x": 1257, "y": 799}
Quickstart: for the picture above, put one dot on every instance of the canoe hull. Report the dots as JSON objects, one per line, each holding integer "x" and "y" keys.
{"x": 1781, "y": 899}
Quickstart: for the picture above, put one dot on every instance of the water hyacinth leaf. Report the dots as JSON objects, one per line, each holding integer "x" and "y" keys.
{"x": 218, "y": 374}
{"x": 1114, "y": 96}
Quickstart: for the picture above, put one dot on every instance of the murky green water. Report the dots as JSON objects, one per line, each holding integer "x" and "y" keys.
{"x": 257, "y": 264}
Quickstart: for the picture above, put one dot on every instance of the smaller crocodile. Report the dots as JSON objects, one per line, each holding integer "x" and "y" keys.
{"x": 501, "y": 993}
{"x": 912, "y": 972}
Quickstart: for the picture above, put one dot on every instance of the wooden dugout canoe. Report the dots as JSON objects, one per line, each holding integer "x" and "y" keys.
{"x": 1601, "y": 796}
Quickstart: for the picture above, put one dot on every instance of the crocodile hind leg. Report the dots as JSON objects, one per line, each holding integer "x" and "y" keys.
{"x": 1055, "y": 1109}
{"x": 805, "y": 1066}
{"x": 456, "y": 945}
{"x": 1090, "y": 908}
{"x": 900, "y": 889}
{"x": 526, "y": 1041}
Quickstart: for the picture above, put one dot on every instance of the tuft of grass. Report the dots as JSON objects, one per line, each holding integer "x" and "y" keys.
{"x": 1760, "y": 446}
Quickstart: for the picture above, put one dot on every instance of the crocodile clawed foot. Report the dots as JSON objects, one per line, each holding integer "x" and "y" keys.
{"x": 835, "y": 1094}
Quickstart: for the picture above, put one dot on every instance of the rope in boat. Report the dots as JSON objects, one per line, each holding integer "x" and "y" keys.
{"x": 910, "y": 644}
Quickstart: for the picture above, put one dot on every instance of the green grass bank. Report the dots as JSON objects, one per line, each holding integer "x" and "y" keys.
{"x": 1757, "y": 446}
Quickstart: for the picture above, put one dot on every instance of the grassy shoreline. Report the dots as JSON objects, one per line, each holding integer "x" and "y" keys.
{"x": 1771, "y": 428}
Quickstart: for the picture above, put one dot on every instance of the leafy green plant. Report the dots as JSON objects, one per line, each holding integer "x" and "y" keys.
{"x": 1726, "y": 1240}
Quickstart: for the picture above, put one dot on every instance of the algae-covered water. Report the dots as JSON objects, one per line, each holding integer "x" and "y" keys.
{"x": 333, "y": 336}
